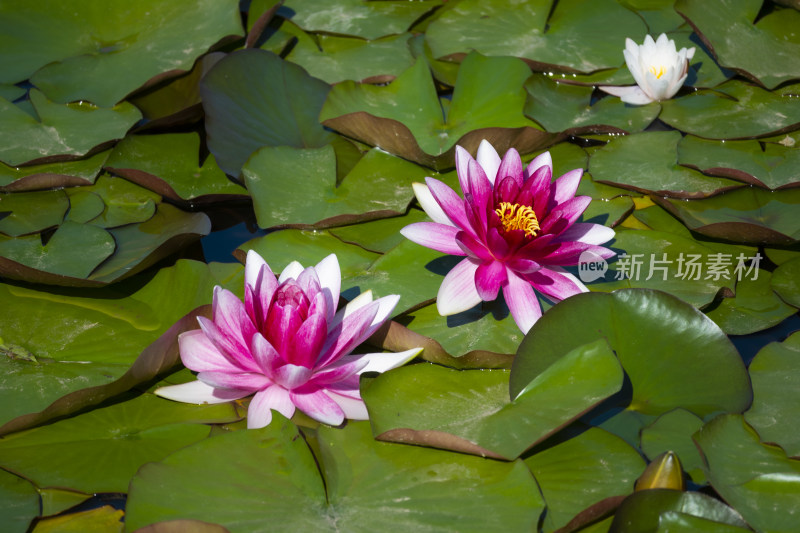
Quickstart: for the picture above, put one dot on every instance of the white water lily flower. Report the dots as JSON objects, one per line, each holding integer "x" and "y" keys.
{"x": 658, "y": 68}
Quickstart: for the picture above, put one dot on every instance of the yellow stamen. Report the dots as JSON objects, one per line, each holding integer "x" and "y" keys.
{"x": 661, "y": 71}
{"x": 515, "y": 216}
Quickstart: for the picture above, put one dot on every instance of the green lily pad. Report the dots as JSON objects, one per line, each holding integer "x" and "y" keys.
{"x": 364, "y": 486}
{"x": 19, "y": 502}
{"x": 767, "y": 165}
{"x": 582, "y": 471}
{"x": 657, "y": 339}
{"x": 567, "y": 108}
{"x": 11, "y": 92}
{"x": 362, "y": 18}
{"x": 378, "y": 186}
{"x": 755, "y": 479}
{"x": 609, "y": 206}
{"x": 776, "y": 393}
{"x": 253, "y": 98}
{"x": 101, "y": 52}
{"x": 470, "y": 411}
{"x": 50, "y": 175}
{"x": 754, "y": 307}
{"x": 767, "y": 52}
{"x": 748, "y": 215}
{"x": 785, "y": 282}
{"x": 105, "y": 519}
{"x": 56, "y": 500}
{"x": 83, "y": 205}
{"x": 648, "y": 162}
{"x": 673, "y": 431}
{"x": 280, "y": 248}
{"x": 60, "y": 255}
{"x": 169, "y": 164}
{"x": 334, "y": 59}
{"x": 574, "y": 36}
{"x": 59, "y": 129}
{"x": 32, "y": 212}
{"x": 99, "y": 451}
{"x": 733, "y": 110}
{"x": 407, "y": 119}
{"x": 125, "y": 202}
{"x": 380, "y": 235}
{"x": 672, "y": 510}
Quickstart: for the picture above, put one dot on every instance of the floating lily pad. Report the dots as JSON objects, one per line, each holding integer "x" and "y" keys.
{"x": 407, "y": 119}
{"x": 658, "y": 340}
{"x": 672, "y": 510}
{"x": 19, "y": 502}
{"x": 767, "y": 165}
{"x": 60, "y": 129}
{"x": 334, "y": 59}
{"x": 749, "y": 215}
{"x": 470, "y": 411}
{"x": 785, "y": 281}
{"x": 673, "y": 432}
{"x": 755, "y": 479}
{"x": 379, "y": 235}
{"x": 83, "y": 205}
{"x": 32, "y": 212}
{"x": 582, "y": 471}
{"x": 754, "y": 307}
{"x": 776, "y": 393}
{"x": 362, "y": 18}
{"x": 648, "y": 162}
{"x": 170, "y": 165}
{"x": 253, "y": 98}
{"x": 734, "y": 110}
{"x": 60, "y": 255}
{"x": 574, "y": 36}
{"x": 568, "y": 108}
{"x": 767, "y": 52}
{"x": 99, "y": 451}
{"x": 364, "y": 485}
{"x": 378, "y": 186}
{"x": 50, "y": 175}
{"x": 105, "y": 519}
{"x": 101, "y": 52}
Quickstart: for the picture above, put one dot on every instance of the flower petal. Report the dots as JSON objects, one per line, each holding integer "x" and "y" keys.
{"x": 304, "y": 349}
{"x": 556, "y": 283}
{"x": 292, "y": 376}
{"x": 330, "y": 280}
{"x": 265, "y": 355}
{"x": 353, "y": 408}
{"x": 251, "y": 381}
{"x": 439, "y": 237}
{"x": 632, "y": 94}
{"x": 451, "y": 203}
{"x": 198, "y": 353}
{"x": 511, "y": 166}
{"x": 259, "y": 412}
{"x": 381, "y": 362}
{"x": 488, "y": 159}
{"x": 260, "y": 284}
{"x": 237, "y": 354}
{"x": 319, "y": 406}
{"x": 429, "y": 204}
{"x": 199, "y": 393}
{"x": 291, "y": 271}
{"x": 564, "y": 187}
{"x": 231, "y": 318}
{"x": 489, "y": 277}
{"x": 462, "y": 158}
{"x": 350, "y": 333}
{"x": 522, "y": 302}
{"x": 564, "y": 215}
{"x": 541, "y": 160}
{"x": 588, "y": 233}
{"x": 457, "y": 292}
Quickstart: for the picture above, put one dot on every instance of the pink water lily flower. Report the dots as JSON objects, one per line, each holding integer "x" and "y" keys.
{"x": 287, "y": 344}
{"x": 516, "y": 228}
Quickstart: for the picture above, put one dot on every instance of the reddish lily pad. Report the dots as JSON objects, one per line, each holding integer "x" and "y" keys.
{"x": 60, "y": 130}
{"x": 101, "y": 52}
{"x": 407, "y": 119}
{"x": 573, "y": 36}
{"x": 648, "y": 162}
{"x": 252, "y": 99}
{"x": 767, "y": 52}
{"x": 749, "y": 215}
{"x": 776, "y": 393}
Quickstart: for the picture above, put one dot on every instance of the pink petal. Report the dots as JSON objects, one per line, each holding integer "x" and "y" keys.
{"x": 429, "y": 204}
{"x": 541, "y": 160}
{"x": 384, "y": 361}
{"x": 199, "y": 393}
{"x": 198, "y": 353}
{"x": 457, "y": 292}
{"x": 349, "y": 334}
{"x": 463, "y": 159}
{"x": 439, "y": 237}
{"x": 309, "y": 282}
{"x": 330, "y": 280}
{"x": 489, "y": 160}
{"x": 319, "y": 406}
{"x": 307, "y": 342}
{"x": 450, "y": 202}
{"x": 259, "y": 412}
{"x": 522, "y": 302}
{"x": 489, "y": 277}
{"x": 511, "y": 166}
{"x": 322, "y": 380}
{"x": 588, "y": 233}
{"x": 523, "y": 266}
{"x": 354, "y": 409}
{"x": 292, "y": 376}
{"x": 291, "y": 271}
{"x": 236, "y": 353}
{"x": 479, "y": 196}
{"x": 556, "y": 283}
{"x": 265, "y": 355}
{"x": 568, "y": 253}
{"x": 242, "y": 381}
{"x": 472, "y": 247}
{"x": 564, "y": 188}
{"x": 564, "y": 215}
{"x": 386, "y": 305}
{"x": 537, "y": 188}
{"x": 260, "y": 285}
{"x": 283, "y": 322}
{"x": 231, "y": 318}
